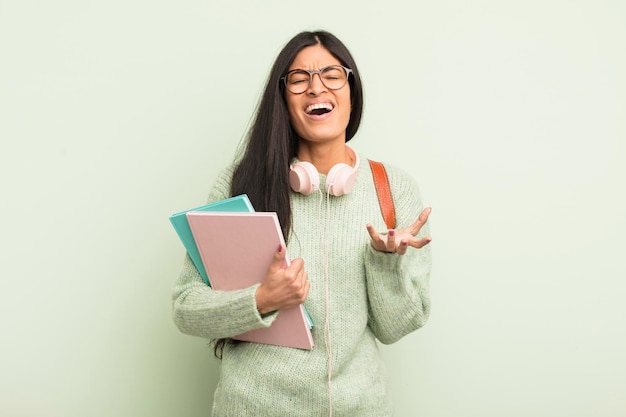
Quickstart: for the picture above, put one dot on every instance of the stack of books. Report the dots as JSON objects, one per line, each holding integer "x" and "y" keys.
{"x": 232, "y": 246}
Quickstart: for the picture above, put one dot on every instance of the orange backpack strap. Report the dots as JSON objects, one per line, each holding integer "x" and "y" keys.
{"x": 381, "y": 182}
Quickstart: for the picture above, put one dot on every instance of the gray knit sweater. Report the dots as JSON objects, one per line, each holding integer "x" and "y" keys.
{"x": 373, "y": 296}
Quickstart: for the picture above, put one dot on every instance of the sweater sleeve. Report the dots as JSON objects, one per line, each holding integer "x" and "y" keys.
{"x": 398, "y": 286}
{"x": 199, "y": 310}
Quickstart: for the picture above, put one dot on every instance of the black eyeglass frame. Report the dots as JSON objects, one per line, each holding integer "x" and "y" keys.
{"x": 319, "y": 72}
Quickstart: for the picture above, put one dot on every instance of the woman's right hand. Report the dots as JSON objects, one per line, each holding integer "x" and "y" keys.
{"x": 282, "y": 287}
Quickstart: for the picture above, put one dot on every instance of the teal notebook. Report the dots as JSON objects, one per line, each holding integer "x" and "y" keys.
{"x": 240, "y": 203}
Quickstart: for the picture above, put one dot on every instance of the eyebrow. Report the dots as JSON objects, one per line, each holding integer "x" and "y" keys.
{"x": 324, "y": 67}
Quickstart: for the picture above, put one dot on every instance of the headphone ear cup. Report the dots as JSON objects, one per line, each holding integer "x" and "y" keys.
{"x": 304, "y": 178}
{"x": 340, "y": 179}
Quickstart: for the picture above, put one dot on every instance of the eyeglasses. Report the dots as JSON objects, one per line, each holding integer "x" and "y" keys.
{"x": 333, "y": 77}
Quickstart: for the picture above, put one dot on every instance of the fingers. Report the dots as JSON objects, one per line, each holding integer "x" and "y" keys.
{"x": 283, "y": 286}
{"x": 398, "y": 241}
{"x": 420, "y": 243}
{"x": 305, "y": 288}
{"x": 279, "y": 259}
{"x": 296, "y": 281}
{"x": 380, "y": 242}
{"x": 376, "y": 240}
{"x": 421, "y": 221}
{"x": 425, "y": 213}
{"x": 391, "y": 241}
{"x": 373, "y": 233}
{"x": 402, "y": 247}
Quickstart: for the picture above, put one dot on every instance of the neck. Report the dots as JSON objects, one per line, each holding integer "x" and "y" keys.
{"x": 324, "y": 155}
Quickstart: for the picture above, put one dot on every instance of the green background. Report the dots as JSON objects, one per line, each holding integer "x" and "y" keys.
{"x": 510, "y": 114}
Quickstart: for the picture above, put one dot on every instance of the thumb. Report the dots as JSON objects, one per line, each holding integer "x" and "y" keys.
{"x": 279, "y": 259}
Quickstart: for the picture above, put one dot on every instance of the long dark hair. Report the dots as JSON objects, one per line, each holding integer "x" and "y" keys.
{"x": 263, "y": 171}
{"x": 271, "y": 143}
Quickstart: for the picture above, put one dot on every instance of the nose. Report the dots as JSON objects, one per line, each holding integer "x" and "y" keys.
{"x": 316, "y": 86}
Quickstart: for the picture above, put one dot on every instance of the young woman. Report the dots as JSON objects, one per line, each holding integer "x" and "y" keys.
{"x": 358, "y": 285}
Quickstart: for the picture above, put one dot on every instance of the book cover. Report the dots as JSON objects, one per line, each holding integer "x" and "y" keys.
{"x": 239, "y": 203}
{"x": 236, "y": 250}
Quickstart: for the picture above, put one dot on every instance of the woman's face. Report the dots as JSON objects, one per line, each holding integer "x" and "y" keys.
{"x": 319, "y": 114}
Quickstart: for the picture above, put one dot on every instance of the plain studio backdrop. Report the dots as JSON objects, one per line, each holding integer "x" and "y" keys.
{"x": 511, "y": 115}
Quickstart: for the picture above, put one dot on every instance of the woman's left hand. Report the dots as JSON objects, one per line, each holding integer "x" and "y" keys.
{"x": 398, "y": 241}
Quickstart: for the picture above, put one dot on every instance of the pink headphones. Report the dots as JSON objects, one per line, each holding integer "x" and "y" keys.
{"x": 305, "y": 179}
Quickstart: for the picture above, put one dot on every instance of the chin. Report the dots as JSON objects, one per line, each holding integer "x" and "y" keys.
{"x": 322, "y": 135}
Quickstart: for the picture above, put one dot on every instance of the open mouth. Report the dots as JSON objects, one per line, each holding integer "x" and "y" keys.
{"x": 318, "y": 109}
